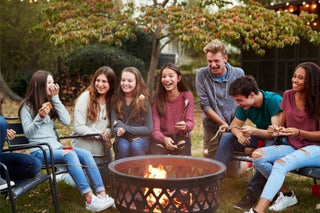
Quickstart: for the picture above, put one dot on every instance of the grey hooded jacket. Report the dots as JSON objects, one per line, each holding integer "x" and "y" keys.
{"x": 214, "y": 95}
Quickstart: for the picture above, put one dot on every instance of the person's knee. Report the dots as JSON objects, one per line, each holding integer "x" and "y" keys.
{"x": 226, "y": 140}
{"x": 257, "y": 154}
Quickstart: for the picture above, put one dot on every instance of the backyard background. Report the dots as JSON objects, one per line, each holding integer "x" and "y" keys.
{"x": 39, "y": 200}
{"x": 72, "y": 39}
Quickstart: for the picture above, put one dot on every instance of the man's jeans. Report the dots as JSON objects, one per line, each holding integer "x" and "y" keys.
{"x": 228, "y": 144}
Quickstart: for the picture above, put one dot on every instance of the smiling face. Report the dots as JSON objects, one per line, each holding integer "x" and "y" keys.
{"x": 101, "y": 84}
{"x": 170, "y": 79}
{"x": 128, "y": 82}
{"x": 216, "y": 62}
{"x": 50, "y": 82}
{"x": 244, "y": 102}
{"x": 298, "y": 80}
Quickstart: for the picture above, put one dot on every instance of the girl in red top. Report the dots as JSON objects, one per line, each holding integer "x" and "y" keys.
{"x": 172, "y": 113}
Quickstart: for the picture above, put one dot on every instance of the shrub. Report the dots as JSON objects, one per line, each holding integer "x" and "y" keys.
{"x": 88, "y": 59}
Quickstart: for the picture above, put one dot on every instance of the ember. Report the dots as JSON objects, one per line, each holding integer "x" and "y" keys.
{"x": 157, "y": 183}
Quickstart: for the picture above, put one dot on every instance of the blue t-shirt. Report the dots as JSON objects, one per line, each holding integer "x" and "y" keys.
{"x": 261, "y": 117}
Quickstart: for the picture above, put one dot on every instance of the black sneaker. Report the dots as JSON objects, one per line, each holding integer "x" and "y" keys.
{"x": 246, "y": 202}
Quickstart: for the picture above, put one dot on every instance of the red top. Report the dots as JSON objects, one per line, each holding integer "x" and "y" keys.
{"x": 164, "y": 126}
{"x": 298, "y": 119}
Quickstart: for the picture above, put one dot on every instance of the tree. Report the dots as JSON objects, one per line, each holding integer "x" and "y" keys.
{"x": 247, "y": 26}
{"x": 22, "y": 51}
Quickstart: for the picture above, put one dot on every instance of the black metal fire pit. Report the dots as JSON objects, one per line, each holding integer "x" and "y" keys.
{"x": 191, "y": 184}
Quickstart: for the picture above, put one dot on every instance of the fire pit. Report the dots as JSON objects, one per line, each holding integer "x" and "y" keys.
{"x": 187, "y": 184}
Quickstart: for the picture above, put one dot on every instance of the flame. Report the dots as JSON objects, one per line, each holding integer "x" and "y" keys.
{"x": 157, "y": 173}
{"x": 160, "y": 173}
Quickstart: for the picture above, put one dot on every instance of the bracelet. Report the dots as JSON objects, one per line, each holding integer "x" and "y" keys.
{"x": 298, "y": 133}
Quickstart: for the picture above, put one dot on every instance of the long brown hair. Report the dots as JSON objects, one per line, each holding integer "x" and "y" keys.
{"x": 93, "y": 105}
{"x": 159, "y": 97}
{"x": 139, "y": 106}
{"x": 37, "y": 94}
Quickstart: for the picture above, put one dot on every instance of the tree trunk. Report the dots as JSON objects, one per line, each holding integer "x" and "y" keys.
{"x": 7, "y": 92}
{"x": 153, "y": 64}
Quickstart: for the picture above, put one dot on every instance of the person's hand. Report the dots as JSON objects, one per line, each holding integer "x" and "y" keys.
{"x": 181, "y": 125}
{"x": 224, "y": 128}
{"x": 247, "y": 131}
{"x": 290, "y": 131}
{"x": 44, "y": 110}
{"x": 243, "y": 139}
{"x": 11, "y": 134}
{"x": 120, "y": 131}
{"x": 54, "y": 90}
{"x": 275, "y": 130}
{"x": 169, "y": 144}
{"x": 106, "y": 138}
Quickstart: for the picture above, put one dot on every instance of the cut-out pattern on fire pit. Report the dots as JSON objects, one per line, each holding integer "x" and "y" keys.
{"x": 191, "y": 184}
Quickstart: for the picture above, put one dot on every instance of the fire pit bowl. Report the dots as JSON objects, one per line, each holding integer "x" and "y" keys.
{"x": 191, "y": 184}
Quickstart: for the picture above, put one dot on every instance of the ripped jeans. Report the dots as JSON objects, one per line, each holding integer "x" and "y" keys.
{"x": 292, "y": 159}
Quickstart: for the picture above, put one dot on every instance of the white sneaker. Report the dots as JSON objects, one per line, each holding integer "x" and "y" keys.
{"x": 108, "y": 199}
{"x": 98, "y": 204}
{"x": 4, "y": 185}
{"x": 283, "y": 202}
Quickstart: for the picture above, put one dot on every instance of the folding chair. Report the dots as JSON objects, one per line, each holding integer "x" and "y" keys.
{"x": 21, "y": 187}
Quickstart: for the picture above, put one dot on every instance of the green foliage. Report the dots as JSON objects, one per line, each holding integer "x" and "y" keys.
{"x": 89, "y": 58}
{"x": 141, "y": 47}
{"x": 21, "y": 49}
{"x": 21, "y": 83}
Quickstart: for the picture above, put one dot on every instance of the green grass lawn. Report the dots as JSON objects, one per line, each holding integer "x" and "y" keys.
{"x": 39, "y": 200}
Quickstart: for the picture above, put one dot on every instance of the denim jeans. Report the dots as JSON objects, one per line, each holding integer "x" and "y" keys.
{"x": 124, "y": 148}
{"x": 292, "y": 159}
{"x": 74, "y": 159}
{"x": 227, "y": 145}
{"x": 19, "y": 165}
{"x": 3, "y": 132}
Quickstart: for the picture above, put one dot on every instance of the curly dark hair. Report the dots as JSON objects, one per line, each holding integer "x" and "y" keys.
{"x": 312, "y": 87}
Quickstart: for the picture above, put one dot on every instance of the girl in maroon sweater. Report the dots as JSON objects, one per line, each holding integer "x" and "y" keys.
{"x": 172, "y": 113}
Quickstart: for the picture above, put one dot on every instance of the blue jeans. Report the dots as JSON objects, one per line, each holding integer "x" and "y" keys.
{"x": 292, "y": 159}
{"x": 3, "y": 132}
{"x": 19, "y": 165}
{"x": 227, "y": 145}
{"x": 124, "y": 148}
{"x": 74, "y": 159}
